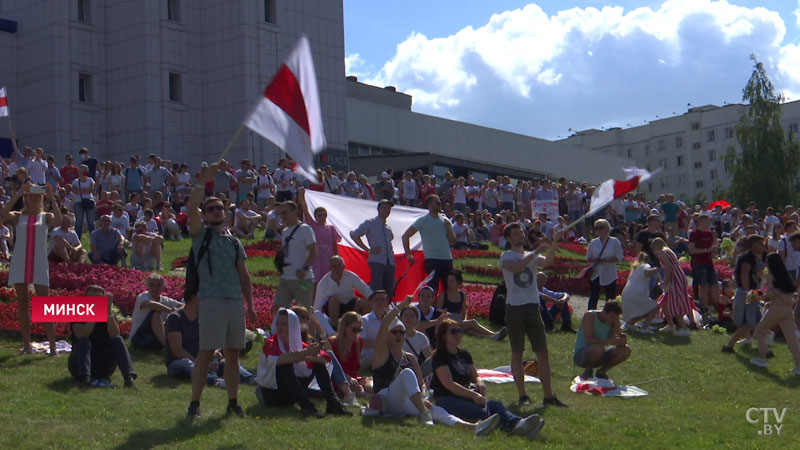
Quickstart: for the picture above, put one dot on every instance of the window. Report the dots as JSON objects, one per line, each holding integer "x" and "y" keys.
{"x": 695, "y": 126}
{"x": 710, "y": 135}
{"x": 679, "y": 162}
{"x": 84, "y": 88}
{"x": 84, "y": 11}
{"x": 661, "y": 146}
{"x": 713, "y": 174}
{"x": 712, "y": 155}
{"x": 728, "y": 132}
{"x": 698, "y": 183}
{"x": 662, "y": 163}
{"x": 664, "y": 183}
{"x": 679, "y": 142}
{"x": 630, "y": 153}
{"x": 698, "y": 164}
{"x": 174, "y": 10}
{"x": 696, "y": 146}
{"x": 270, "y": 11}
{"x": 175, "y": 88}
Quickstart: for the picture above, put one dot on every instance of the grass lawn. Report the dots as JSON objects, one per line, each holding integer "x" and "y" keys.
{"x": 698, "y": 399}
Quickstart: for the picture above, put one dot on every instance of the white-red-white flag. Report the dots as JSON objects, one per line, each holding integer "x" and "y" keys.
{"x": 289, "y": 112}
{"x": 3, "y": 102}
{"x": 347, "y": 213}
{"x": 610, "y": 190}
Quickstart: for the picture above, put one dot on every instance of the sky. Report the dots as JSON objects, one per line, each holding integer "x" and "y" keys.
{"x": 547, "y": 68}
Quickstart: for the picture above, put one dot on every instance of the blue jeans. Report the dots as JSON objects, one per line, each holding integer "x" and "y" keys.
{"x": 182, "y": 368}
{"x": 469, "y": 411}
{"x": 337, "y": 374}
{"x": 86, "y": 362}
{"x": 80, "y": 213}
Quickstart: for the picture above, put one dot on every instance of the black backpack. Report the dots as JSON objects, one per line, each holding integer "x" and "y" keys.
{"x": 192, "y": 283}
{"x": 497, "y": 308}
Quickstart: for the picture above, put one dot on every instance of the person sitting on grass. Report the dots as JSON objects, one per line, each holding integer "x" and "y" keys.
{"x": 454, "y": 376}
{"x": 416, "y": 342}
{"x": 559, "y": 306}
{"x": 598, "y": 330}
{"x": 782, "y": 300}
{"x": 183, "y": 342}
{"x": 65, "y": 245}
{"x": 149, "y": 312}
{"x": 98, "y": 349}
{"x": 346, "y": 345}
{"x": 724, "y": 303}
{"x": 335, "y": 294}
{"x": 636, "y": 302}
{"x": 246, "y": 220}
{"x": 287, "y": 365}
{"x": 146, "y": 248}
{"x": 379, "y": 303}
{"x": 169, "y": 226}
{"x": 106, "y": 244}
{"x": 429, "y": 316}
{"x": 453, "y": 301}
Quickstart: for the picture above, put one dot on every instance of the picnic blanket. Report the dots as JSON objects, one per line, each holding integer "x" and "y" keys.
{"x": 605, "y": 388}
{"x": 62, "y": 346}
{"x": 502, "y": 374}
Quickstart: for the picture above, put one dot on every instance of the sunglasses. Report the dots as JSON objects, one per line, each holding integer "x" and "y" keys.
{"x": 397, "y": 332}
{"x": 455, "y": 331}
{"x": 356, "y": 329}
{"x": 215, "y": 208}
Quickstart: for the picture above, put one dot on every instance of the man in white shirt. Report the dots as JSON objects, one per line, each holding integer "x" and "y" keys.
{"x": 283, "y": 182}
{"x": 37, "y": 167}
{"x": 371, "y": 324}
{"x": 299, "y": 247}
{"x": 331, "y": 181}
{"x": 149, "y": 313}
{"x": 523, "y": 317}
{"x": 64, "y": 242}
{"x": 335, "y": 295}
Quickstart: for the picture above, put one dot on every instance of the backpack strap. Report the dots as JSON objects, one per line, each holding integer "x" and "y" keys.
{"x": 204, "y": 249}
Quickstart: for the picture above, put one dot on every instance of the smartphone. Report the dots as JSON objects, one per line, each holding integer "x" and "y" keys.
{"x": 36, "y": 189}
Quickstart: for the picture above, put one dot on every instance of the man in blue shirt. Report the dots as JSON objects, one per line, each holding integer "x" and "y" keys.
{"x": 559, "y": 306}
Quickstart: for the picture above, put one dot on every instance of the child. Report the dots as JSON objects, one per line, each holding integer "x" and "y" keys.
{"x": 725, "y": 301}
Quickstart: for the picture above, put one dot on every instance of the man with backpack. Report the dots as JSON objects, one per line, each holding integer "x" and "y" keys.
{"x": 221, "y": 279}
{"x": 297, "y": 254}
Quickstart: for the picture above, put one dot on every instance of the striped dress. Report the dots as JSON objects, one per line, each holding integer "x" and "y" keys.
{"x": 29, "y": 261}
{"x": 675, "y": 299}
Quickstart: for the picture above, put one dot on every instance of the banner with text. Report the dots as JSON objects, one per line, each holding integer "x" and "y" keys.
{"x": 549, "y": 207}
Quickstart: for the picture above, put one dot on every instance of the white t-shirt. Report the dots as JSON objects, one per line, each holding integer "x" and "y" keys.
{"x": 460, "y": 194}
{"x": 371, "y": 324}
{"x": 791, "y": 255}
{"x": 769, "y": 221}
{"x": 461, "y": 232}
{"x": 36, "y": 170}
{"x": 607, "y": 272}
{"x": 344, "y": 290}
{"x": 121, "y": 223}
{"x": 507, "y": 193}
{"x": 265, "y": 182}
{"x": 416, "y": 344}
{"x": 249, "y": 213}
{"x": 283, "y": 179}
{"x": 521, "y": 287}
{"x": 69, "y": 235}
{"x": 78, "y": 184}
{"x": 298, "y": 250}
{"x": 139, "y": 314}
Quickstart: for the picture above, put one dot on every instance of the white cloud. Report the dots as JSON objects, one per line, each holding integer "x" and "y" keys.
{"x": 797, "y": 13}
{"x": 530, "y": 72}
{"x": 353, "y": 64}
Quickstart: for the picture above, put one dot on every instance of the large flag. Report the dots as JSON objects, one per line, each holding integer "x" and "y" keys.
{"x": 347, "y": 213}
{"x": 3, "y": 102}
{"x": 289, "y": 113}
{"x": 610, "y": 190}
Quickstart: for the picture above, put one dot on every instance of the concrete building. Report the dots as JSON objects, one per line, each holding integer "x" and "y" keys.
{"x": 383, "y": 132}
{"x": 172, "y": 77}
{"x": 689, "y": 147}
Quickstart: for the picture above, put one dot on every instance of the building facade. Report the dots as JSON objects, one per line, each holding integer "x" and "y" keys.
{"x": 689, "y": 148}
{"x": 171, "y": 77}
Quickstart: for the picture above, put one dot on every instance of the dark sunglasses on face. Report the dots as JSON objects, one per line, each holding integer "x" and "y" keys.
{"x": 356, "y": 329}
{"x": 215, "y": 208}
{"x": 400, "y": 331}
{"x": 455, "y": 331}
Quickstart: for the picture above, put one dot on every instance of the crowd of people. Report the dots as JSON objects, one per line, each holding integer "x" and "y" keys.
{"x": 405, "y": 358}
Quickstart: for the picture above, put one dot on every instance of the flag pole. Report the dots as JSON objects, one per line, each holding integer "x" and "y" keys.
{"x": 232, "y": 141}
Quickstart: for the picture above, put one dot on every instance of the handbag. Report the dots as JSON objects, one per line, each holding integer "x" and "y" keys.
{"x": 586, "y": 272}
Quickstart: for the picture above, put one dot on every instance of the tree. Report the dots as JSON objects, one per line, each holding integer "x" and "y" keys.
{"x": 765, "y": 170}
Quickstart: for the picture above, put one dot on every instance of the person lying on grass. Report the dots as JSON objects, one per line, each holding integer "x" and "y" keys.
{"x": 600, "y": 343}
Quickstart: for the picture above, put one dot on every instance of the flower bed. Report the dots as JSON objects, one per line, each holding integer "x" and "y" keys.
{"x": 724, "y": 271}
{"x": 474, "y": 254}
{"x": 269, "y": 246}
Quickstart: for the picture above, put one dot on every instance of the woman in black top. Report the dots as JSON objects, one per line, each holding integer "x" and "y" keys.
{"x": 453, "y": 301}
{"x": 453, "y": 375}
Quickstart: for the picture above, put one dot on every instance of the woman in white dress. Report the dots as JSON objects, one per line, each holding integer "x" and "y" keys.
{"x": 29, "y": 261}
{"x": 636, "y": 302}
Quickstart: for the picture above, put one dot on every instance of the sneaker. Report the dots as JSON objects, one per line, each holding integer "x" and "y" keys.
{"x": 310, "y": 410}
{"x": 193, "y": 411}
{"x": 683, "y": 332}
{"x": 129, "y": 382}
{"x": 350, "y": 400}
{"x": 532, "y": 434}
{"x": 524, "y": 401}
{"x": 667, "y": 329}
{"x": 235, "y": 410}
{"x": 487, "y": 426}
{"x": 745, "y": 341}
{"x": 526, "y": 425}
{"x": 728, "y": 349}
{"x": 554, "y": 401}
{"x": 760, "y": 362}
{"x": 337, "y": 409}
{"x": 588, "y": 373}
{"x": 501, "y": 334}
{"x": 426, "y": 418}
{"x": 796, "y": 371}
{"x": 628, "y": 327}
{"x": 601, "y": 374}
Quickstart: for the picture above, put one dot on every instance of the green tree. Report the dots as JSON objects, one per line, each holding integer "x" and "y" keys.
{"x": 765, "y": 170}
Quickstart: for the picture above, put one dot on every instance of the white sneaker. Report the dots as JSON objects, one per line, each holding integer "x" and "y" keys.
{"x": 628, "y": 327}
{"x": 760, "y": 362}
{"x": 426, "y": 418}
{"x": 350, "y": 400}
{"x": 683, "y": 332}
{"x": 526, "y": 425}
{"x": 796, "y": 371}
{"x": 745, "y": 341}
{"x": 667, "y": 329}
{"x": 487, "y": 426}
